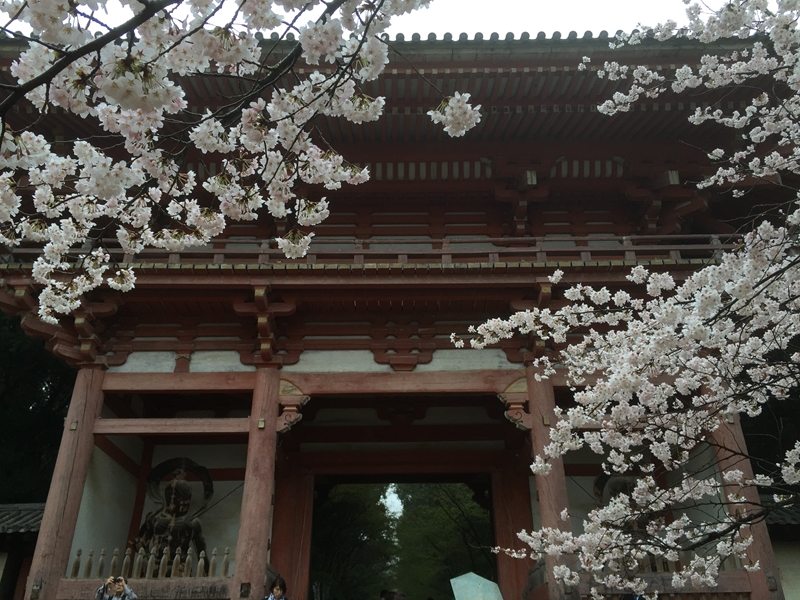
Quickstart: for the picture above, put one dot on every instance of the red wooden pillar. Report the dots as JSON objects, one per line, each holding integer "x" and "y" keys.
{"x": 551, "y": 488}
{"x": 66, "y": 488}
{"x": 765, "y": 584}
{"x": 259, "y": 481}
{"x": 511, "y": 510}
{"x": 290, "y": 554}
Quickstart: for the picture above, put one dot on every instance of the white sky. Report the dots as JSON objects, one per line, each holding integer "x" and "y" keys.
{"x": 533, "y": 16}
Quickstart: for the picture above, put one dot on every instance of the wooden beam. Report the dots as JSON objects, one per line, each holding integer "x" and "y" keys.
{"x": 484, "y": 381}
{"x": 170, "y": 426}
{"x": 152, "y": 383}
{"x": 401, "y": 433}
{"x": 415, "y": 462}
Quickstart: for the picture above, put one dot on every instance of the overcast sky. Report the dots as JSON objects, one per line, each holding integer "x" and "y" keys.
{"x": 533, "y": 16}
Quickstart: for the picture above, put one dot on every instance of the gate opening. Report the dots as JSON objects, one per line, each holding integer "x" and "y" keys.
{"x": 408, "y": 535}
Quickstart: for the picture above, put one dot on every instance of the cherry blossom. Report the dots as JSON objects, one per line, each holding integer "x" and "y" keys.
{"x": 660, "y": 367}
{"x": 126, "y": 74}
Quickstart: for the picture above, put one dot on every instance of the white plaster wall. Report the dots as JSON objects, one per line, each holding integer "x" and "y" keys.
{"x": 467, "y": 359}
{"x": 337, "y": 361}
{"x": 788, "y": 556}
{"x": 581, "y": 501}
{"x": 363, "y": 361}
{"x": 147, "y": 362}
{"x": 105, "y": 512}
{"x": 217, "y": 361}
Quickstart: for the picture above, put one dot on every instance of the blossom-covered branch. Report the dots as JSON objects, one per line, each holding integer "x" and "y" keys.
{"x": 128, "y": 81}
{"x": 661, "y": 369}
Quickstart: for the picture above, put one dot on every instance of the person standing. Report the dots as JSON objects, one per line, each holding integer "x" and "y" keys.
{"x": 277, "y": 590}
{"x": 115, "y": 588}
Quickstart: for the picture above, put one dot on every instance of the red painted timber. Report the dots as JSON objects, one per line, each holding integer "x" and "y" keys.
{"x": 552, "y": 488}
{"x": 487, "y": 381}
{"x": 405, "y": 462}
{"x": 179, "y": 382}
{"x": 731, "y": 450}
{"x": 66, "y": 489}
{"x": 252, "y": 546}
{"x": 511, "y": 510}
{"x": 290, "y": 551}
{"x": 170, "y": 426}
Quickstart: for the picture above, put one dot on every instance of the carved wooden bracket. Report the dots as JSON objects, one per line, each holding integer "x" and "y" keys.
{"x": 291, "y": 401}
{"x": 515, "y": 409}
{"x": 516, "y": 400}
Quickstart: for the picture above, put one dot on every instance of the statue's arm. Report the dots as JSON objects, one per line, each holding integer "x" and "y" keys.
{"x": 145, "y": 534}
{"x": 197, "y": 536}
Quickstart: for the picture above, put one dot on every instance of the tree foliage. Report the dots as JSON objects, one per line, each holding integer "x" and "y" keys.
{"x": 353, "y": 546}
{"x": 35, "y": 389}
{"x": 442, "y": 533}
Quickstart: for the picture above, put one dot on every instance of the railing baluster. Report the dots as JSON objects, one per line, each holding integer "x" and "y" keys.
{"x": 162, "y": 566}
{"x": 187, "y": 566}
{"x": 87, "y": 571}
{"x": 226, "y": 562}
{"x": 151, "y": 564}
{"x": 126, "y": 564}
{"x": 138, "y": 563}
{"x": 101, "y": 564}
{"x": 201, "y": 564}
{"x": 76, "y": 565}
{"x": 176, "y": 564}
{"x": 115, "y": 562}
{"x": 212, "y": 565}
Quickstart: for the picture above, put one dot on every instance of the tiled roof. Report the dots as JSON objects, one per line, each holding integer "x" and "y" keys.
{"x": 787, "y": 515}
{"x": 19, "y": 518}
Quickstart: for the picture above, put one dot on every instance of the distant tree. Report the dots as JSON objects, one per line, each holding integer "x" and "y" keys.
{"x": 35, "y": 389}
{"x": 442, "y": 533}
{"x": 352, "y": 543}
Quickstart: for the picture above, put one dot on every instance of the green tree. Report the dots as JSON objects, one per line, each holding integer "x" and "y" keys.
{"x": 443, "y": 532}
{"x": 352, "y": 543}
{"x": 35, "y": 390}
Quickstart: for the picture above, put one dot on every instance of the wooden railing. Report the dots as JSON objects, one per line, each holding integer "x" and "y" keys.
{"x": 143, "y": 565}
{"x": 331, "y": 250}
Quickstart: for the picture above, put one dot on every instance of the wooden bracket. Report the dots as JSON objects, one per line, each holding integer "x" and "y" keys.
{"x": 515, "y": 409}
{"x": 291, "y": 400}
{"x": 290, "y": 412}
{"x": 265, "y": 312}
